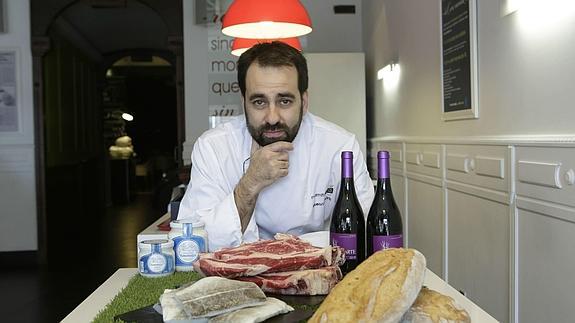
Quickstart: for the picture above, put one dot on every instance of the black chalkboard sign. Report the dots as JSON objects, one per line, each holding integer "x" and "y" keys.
{"x": 459, "y": 59}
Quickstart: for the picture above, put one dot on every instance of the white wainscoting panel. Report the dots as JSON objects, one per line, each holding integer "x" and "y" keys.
{"x": 424, "y": 159}
{"x": 539, "y": 173}
{"x": 425, "y": 222}
{"x": 18, "y": 228}
{"x": 398, "y": 188}
{"x": 431, "y": 159}
{"x": 496, "y": 216}
{"x": 413, "y": 157}
{"x": 488, "y": 166}
{"x": 395, "y": 154}
{"x": 546, "y": 263}
{"x": 483, "y": 166}
{"x": 458, "y": 162}
{"x": 395, "y": 158}
{"x": 478, "y": 250}
{"x": 545, "y": 173}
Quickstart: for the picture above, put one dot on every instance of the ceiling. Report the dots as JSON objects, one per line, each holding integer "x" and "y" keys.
{"x": 108, "y": 30}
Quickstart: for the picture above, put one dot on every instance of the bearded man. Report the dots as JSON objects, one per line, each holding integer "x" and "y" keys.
{"x": 276, "y": 168}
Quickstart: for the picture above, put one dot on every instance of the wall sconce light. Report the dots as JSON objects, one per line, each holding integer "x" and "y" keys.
{"x": 539, "y": 18}
{"x": 508, "y": 7}
{"x": 240, "y": 45}
{"x": 269, "y": 19}
{"x": 389, "y": 73}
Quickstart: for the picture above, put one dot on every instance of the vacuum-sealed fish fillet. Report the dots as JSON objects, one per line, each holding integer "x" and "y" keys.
{"x": 213, "y": 296}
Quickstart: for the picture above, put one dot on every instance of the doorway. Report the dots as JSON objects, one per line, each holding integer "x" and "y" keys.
{"x": 139, "y": 106}
{"x": 82, "y": 49}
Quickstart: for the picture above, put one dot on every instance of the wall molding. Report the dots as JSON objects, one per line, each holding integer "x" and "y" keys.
{"x": 524, "y": 173}
{"x": 485, "y": 193}
{"x": 567, "y": 140}
{"x": 546, "y": 209}
{"x": 432, "y": 180}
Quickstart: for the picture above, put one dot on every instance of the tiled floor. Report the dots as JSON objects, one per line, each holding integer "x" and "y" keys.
{"x": 85, "y": 258}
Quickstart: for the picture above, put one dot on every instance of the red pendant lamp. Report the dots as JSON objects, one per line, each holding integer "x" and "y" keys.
{"x": 240, "y": 45}
{"x": 266, "y": 19}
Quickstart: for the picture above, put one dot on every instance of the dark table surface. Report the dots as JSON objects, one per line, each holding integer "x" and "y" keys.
{"x": 149, "y": 315}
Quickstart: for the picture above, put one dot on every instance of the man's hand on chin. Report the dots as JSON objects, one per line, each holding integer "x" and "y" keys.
{"x": 268, "y": 164}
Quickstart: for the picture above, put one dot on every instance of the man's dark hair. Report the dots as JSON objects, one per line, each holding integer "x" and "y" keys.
{"x": 276, "y": 54}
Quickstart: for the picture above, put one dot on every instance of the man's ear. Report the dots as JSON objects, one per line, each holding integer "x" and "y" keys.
{"x": 304, "y": 101}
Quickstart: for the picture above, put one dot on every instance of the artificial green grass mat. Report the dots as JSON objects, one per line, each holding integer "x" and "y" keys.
{"x": 141, "y": 292}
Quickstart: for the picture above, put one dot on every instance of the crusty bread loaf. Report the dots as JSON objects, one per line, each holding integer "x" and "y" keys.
{"x": 433, "y": 307}
{"x": 381, "y": 289}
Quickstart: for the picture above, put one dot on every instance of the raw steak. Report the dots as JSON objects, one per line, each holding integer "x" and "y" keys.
{"x": 285, "y": 253}
{"x": 302, "y": 282}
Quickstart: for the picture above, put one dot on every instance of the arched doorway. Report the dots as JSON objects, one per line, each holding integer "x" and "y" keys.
{"x": 141, "y": 85}
{"x": 74, "y": 42}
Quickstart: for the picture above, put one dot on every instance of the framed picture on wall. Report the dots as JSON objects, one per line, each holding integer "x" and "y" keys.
{"x": 9, "y": 98}
{"x": 2, "y": 17}
{"x": 459, "y": 59}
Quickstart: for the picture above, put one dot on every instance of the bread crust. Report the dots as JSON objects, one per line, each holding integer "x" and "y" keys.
{"x": 433, "y": 307}
{"x": 381, "y": 289}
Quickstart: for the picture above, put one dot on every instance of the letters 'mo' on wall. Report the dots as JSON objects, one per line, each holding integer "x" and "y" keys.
{"x": 224, "y": 98}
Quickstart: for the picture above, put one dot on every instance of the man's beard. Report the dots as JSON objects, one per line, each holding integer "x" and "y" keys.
{"x": 289, "y": 133}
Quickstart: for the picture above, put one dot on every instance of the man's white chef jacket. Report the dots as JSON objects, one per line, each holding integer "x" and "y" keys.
{"x": 299, "y": 203}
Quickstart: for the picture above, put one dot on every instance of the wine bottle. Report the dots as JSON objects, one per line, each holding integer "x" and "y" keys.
{"x": 384, "y": 227}
{"x": 347, "y": 228}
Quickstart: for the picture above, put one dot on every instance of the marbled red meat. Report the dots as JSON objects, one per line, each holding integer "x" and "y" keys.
{"x": 284, "y": 253}
{"x": 302, "y": 282}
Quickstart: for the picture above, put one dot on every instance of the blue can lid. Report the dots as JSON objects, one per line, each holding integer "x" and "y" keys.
{"x": 161, "y": 242}
{"x": 178, "y": 223}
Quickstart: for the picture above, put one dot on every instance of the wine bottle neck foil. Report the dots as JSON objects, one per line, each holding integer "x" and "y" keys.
{"x": 347, "y": 164}
{"x": 383, "y": 168}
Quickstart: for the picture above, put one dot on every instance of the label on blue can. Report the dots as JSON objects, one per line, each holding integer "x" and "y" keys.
{"x": 188, "y": 249}
{"x": 156, "y": 263}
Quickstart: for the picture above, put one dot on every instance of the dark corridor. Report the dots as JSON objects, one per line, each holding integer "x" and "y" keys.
{"x": 84, "y": 235}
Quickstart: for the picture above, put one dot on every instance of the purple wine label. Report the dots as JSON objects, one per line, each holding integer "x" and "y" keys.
{"x": 386, "y": 242}
{"x": 347, "y": 241}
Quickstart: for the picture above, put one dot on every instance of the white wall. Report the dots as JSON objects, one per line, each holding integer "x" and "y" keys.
{"x": 331, "y": 33}
{"x": 526, "y": 114}
{"x": 18, "y": 229}
{"x": 337, "y": 91}
{"x": 196, "y": 86}
{"x": 525, "y": 69}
